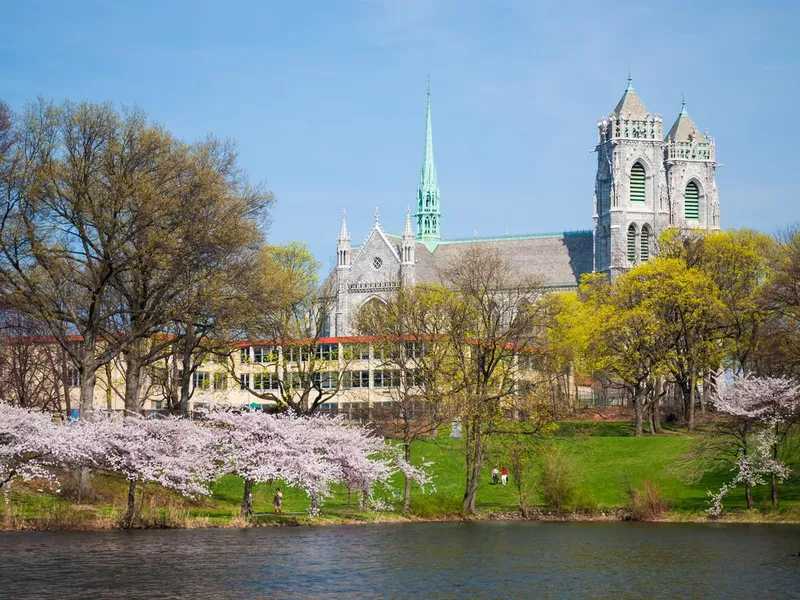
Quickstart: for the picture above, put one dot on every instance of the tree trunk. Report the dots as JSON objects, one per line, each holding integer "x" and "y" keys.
{"x": 88, "y": 380}
{"x": 65, "y": 365}
{"x": 690, "y": 411}
{"x": 474, "y": 465}
{"x": 109, "y": 389}
{"x": 773, "y": 484}
{"x": 133, "y": 379}
{"x": 247, "y": 499}
{"x": 407, "y": 482}
{"x": 708, "y": 386}
{"x": 186, "y": 377}
{"x": 88, "y": 372}
{"x": 655, "y": 409}
{"x": 127, "y": 520}
{"x": 748, "y": 494}
{"x": 773, "y": 480}
{"x": 638, "y": 408}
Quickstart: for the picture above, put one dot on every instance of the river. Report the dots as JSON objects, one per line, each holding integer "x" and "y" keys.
{"x": 425, "y": 560}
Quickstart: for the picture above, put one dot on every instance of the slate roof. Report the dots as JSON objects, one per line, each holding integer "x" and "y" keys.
{"x": 630, "y": 106}
{"x": 683, "y": 128}
{"x": 558, "y": 259}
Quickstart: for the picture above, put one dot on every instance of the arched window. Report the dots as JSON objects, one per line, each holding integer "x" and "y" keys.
{"x": 637, "y": 183}
{"x": 691, "y": 205}
{"x": 632, "y": 243}
{"x": 644, "y": 244}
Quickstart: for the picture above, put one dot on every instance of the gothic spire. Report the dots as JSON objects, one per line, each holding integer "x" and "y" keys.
{"x": 428, "y": 175}
{"x": 344, "y": 236}
{"x": 408, "y": 233}
{"x": 428, "y": 214}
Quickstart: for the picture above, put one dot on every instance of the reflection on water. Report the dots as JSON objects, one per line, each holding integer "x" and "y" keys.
{"x": 471, "y": 560}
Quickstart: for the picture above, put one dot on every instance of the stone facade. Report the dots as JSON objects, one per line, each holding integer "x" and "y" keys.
{"x": 645, "y": 182}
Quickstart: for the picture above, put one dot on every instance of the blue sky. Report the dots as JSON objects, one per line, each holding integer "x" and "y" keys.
{"x": 326, "y": 99}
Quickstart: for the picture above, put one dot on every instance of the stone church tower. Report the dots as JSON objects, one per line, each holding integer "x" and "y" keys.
{"x": 646, "y": 183}
{"x": 691, "y": 175}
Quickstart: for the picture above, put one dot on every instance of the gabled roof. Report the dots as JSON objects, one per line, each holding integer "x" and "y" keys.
{"x": 376, "y": 230}
{"x": 684, "y": 129}
{"x": 558, "y": 259}
{"x": 630, "y": 106}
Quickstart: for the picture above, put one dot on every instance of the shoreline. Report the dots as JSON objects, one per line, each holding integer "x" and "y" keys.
{"x": 383, "y": 518}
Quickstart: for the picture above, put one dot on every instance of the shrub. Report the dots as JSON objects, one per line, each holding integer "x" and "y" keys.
{"x": 435, "y": 505}
{"x": 645, "y": 503}
{"x": 63, "y": 517}
{"x": 557, "y": 478}
{"x": 586, "y": 502}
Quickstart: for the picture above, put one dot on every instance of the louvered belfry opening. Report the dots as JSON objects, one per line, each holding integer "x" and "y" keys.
{"x": 637, "y": 183}
{"x": 632, "y": 244}
{"x": 691, "y": 206}
{"x": 644, "y": 242}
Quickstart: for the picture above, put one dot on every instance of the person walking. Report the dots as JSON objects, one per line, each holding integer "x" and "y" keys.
{"x": 495, "y": 476}
{"x": 277, "y": 502}
{"x": 504, "y": 475}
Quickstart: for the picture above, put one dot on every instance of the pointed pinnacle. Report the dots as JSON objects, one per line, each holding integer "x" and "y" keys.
{"x": 344, "y": 236}
{"x": 408, "y": 232}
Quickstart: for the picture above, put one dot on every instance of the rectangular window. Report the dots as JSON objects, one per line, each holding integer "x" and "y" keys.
{"x": 220, "y": 382}
{"x": 325, "y": 381}
{"x": 202, "y": 380}
{"x": 385, "y": 379}
{"x": 358, "y": 379}
{"x": 299, "y": 354}
{"x": 328, "y": 352}
{"x": 244, "y": 355}
{"x": 263, "y": 354}
{"x": 244, "y": 381}
{"x": 293, "y": 381}
{"x": 74, "y": 378}
{"x": 415, "y": 350}
{"x": 355, "y": 351}
{"x": 265, "y": 381}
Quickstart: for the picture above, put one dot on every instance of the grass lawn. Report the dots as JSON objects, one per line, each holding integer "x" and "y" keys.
{"x": 606, "y": 459}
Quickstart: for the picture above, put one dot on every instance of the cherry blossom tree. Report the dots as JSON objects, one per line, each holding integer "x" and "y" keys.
{"x": 173, "y": 452}
{"x": 28, "y": 444}
{"x": 310, "y": 453}
{"x": 758, "y": 414}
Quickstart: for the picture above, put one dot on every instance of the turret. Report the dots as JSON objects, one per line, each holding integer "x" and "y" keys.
{"x": 343, "y": 246}
{"x": 631, "y": 205}
{"x": 689, "y": 156}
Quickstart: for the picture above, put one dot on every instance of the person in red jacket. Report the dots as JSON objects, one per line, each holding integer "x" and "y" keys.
{"x": 504, "y": 476}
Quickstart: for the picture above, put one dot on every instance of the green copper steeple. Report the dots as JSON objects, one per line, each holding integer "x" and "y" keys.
{"x": 428, "y": 215}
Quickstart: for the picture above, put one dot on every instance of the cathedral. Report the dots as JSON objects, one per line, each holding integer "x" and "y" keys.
{"x": 645, "y": 182}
